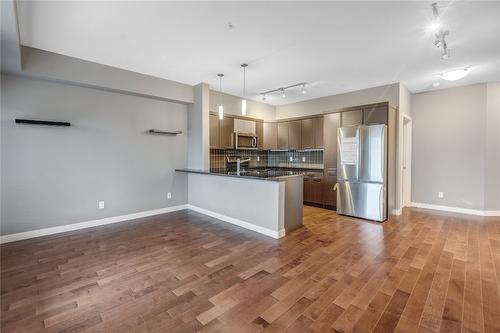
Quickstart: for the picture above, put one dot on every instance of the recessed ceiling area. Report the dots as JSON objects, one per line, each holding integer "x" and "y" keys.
{"x": 334, "y": 46}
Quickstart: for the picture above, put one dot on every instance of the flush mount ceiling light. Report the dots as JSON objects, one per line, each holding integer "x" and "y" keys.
{"x": 244, "y": 101}
{"x": 282, "y": 90}
{"x": 456, "y": 74}
{"x": 221, "y": 107}
{"x": 440, "y": 34}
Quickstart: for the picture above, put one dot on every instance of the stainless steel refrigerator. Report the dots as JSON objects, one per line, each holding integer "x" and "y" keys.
{"x": 362, "y": 171}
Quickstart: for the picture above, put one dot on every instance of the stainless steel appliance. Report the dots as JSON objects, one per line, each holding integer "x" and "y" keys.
{"x": 362, "y": 171}
{"x": 245, "y": 140}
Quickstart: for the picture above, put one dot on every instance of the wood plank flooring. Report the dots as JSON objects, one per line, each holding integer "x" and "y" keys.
{"x": 185, "y": 272}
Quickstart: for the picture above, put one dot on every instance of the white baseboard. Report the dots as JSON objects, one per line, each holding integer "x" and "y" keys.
{"x": 457, "y": 209}
{"x": 243, "y": 224}
{"x": 87, "y": 224}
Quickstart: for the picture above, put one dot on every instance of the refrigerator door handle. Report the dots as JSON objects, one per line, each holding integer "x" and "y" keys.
{"x": 335, "y": 186}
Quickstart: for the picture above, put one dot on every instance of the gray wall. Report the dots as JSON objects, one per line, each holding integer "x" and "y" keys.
{"x": 492, "y": 164}
{"x": 56, "y": 67}
{"x": 53, "y": 176}
{"x": 448, "y": 146}
{"x": 232, "y": 105}
{"x": 388, "y": 93}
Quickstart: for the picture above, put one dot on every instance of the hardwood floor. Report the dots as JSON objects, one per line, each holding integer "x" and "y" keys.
{"x": 185, "y": 272}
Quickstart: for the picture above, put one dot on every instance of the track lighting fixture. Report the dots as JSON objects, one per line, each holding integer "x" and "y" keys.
{"x": 440, "y": 34}
{"x": 282, "y": 90}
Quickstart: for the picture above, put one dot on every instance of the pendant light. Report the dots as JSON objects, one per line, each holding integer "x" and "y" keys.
{"x": 244, "y": 101}
{"x": 221, "y": 108}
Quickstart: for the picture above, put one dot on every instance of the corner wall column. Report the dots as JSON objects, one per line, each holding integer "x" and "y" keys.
{"x": 198, "y": 128}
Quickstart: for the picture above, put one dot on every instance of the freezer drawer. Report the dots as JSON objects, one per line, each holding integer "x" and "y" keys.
{"x": 365, "y": 200}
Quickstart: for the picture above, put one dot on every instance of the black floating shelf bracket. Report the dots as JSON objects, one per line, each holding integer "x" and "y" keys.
{"x": 42, "y": 122}
{"x": 163, "y": 132}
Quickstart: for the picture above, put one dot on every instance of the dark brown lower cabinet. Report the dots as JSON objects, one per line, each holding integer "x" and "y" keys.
{"x": 307, "y": 189}
{"x": 313, "y": 188}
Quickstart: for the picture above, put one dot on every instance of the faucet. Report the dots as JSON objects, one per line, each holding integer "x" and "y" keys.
{"x": 238, "y": 164}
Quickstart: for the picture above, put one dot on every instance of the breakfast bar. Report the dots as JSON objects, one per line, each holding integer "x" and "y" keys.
{"x": 267, "y": 202}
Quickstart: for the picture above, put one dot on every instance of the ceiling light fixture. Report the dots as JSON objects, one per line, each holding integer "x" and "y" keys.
{"x": 221, "y": 107}
{"x": 244, "y": 101}
{"x": 283, "y": 93}
{"x": 456, "y": 74}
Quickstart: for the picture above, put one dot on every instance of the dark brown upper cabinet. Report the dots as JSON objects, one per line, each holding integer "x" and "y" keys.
{"x": 351, "y": 118}
{"x": 270, "y": 136}
{"x": 226, "y": 132}
{"x": 294, "y": 134}
{"x": 312, "y": 133}
{"x": 307, "y": 133}
{"x": 259, "y": 130}
{"x": 318, "y": 124}
{"x": 283, "y": 135}
{"x": 376, "y": 115}
{"x": 214, "y": 131}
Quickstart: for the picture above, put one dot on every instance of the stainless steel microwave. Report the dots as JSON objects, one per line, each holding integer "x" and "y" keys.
{"x": 245, "y": 140}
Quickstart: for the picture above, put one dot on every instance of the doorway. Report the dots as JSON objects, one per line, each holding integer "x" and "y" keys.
{"x": 406, "y": 163}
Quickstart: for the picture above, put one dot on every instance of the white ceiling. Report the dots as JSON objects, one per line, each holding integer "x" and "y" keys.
{"x": 335, "y": 46}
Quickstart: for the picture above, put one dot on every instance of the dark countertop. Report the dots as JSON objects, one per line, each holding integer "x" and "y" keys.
{"x": 269, "y": 174}
{"x": 288, "y": 169}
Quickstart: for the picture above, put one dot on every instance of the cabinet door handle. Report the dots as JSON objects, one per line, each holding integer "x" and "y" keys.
{"x": 335, "y": 186}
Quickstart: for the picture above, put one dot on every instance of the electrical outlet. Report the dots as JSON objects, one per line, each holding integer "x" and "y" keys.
{"x": 291, "y": 159}
{"x": 258, "y": 158}
{"x": 440, "y": 195}
{"x": 101, "y": 204}
{"x": 169, "y": 195}
{"x": 303, "y": 158}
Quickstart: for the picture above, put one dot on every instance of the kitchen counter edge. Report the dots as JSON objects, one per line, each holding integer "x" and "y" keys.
{"x": 208, "y": 172}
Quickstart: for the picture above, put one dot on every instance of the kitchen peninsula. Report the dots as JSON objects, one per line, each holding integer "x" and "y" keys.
{"x": 275, "y": 197}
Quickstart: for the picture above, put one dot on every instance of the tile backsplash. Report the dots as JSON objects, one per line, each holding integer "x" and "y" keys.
{"x": 307, "y": 159}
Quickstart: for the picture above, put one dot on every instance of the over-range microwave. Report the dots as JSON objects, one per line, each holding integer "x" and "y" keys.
{"x": 245, "y": 140}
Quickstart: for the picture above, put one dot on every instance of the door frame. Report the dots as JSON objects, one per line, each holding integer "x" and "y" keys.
{"x": 406, "y": 161}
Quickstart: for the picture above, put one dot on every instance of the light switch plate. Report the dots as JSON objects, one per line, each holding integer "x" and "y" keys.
{"x": 101, "y": 204}
{"x": 440, "y": 195}
{"x": 169, "y": 195}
